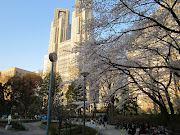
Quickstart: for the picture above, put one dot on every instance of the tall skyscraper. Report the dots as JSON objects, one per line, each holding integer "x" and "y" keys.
{"x": 81, "y": 18}
{"x": 63, "y": 39}
{"x": 60, "y": 32}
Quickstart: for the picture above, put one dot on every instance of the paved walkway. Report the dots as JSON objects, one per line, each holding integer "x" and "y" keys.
{"x": 34, "y": 129}
{"x": 109, "y": 131}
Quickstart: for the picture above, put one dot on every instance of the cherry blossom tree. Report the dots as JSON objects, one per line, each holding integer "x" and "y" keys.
{"x": 139, "y": 39}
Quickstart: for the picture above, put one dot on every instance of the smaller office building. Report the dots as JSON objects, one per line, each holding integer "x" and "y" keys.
{"x": 5, "y": 74}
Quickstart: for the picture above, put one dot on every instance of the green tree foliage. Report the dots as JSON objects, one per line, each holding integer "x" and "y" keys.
{"x": 74, "y": 92}
{"x": 22, "y": 91}
{"x": 3, "y": 103}
{"x": 56, "y": 89}
{"x": 130, "y": 106}
{"x": 1, "y": 92}
{"x": 36, "y": 107}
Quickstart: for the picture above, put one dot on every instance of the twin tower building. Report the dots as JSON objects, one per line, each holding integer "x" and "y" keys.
{"x": 64, "y": 37}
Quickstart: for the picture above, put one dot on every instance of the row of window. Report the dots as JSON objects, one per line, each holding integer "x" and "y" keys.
{"x": 12, "y": 72}
{"x": 20, "y": 73}
{"x": 8, "y": 73}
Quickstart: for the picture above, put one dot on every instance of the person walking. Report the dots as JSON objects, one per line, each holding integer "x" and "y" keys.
{"x": 100, "y": 122}
{"x": 105, "y": 120}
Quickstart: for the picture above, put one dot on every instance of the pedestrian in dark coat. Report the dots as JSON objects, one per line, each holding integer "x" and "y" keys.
{"x": 105, "y": 120}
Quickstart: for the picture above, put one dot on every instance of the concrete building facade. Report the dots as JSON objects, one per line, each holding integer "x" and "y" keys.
{"x": 63, "y": 38}
{"x": 11, "y": 72}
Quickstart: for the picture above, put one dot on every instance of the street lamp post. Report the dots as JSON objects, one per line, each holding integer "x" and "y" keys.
{"x": 84, "y": 74}
{"x": 52, "y": 58}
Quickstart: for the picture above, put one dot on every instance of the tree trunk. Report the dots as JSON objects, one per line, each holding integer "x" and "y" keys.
{"x": 177, "y": 89}
{"x": 60, "y": 125}
{"x": 169, "y": 102}
{"x": 70, "y": 126}
{"x": 159, "y": 102}
{"x": 165, "y": 113}
{"x": 112, "y": 106}
{"x": 94, "y": 109}
{"x": 25, "y": 113}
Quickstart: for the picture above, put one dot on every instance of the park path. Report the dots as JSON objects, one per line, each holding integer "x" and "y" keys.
{"x": 109, "y": 131}
{"x": 33, "y": 129}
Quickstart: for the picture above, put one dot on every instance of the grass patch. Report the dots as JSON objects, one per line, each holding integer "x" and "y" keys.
{"x": 17, "y": 126}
